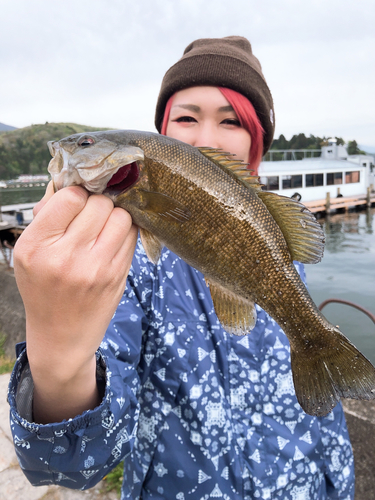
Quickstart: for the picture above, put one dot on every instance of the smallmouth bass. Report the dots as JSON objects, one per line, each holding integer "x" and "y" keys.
{"x": 207, "y": 208}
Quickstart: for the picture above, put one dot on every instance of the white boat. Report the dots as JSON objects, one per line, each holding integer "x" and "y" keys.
{"x": 310, "y": 179}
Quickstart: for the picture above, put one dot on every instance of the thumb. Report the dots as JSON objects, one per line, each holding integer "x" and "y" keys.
{"x": 47, "y": 195}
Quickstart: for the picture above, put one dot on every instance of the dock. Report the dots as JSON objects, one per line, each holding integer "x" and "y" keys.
{"x": 329, "y": 204}
{"x": 13, "y": 221}
{"x": 17, "y": 207}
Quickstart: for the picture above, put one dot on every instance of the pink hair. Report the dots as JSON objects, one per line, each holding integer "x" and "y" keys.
{"x": 248, "y": 119}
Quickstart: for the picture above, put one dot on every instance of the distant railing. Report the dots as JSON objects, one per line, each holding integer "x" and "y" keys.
{"x": 23, "y": 185}
{"x": 291, "y": 154}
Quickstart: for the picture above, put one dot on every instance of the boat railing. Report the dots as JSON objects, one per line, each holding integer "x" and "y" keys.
{"x": 291, "y": 154}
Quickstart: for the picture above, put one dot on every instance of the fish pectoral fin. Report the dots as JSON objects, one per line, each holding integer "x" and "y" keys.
{"x": 302, "y": 232}
{"x": 164, "y": 206}
{"x": 152, "y": 245}
{"x": 322, "y": 376}
{"x": 236, "y": 314}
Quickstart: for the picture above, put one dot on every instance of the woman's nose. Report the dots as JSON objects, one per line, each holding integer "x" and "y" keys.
{"x": 206, "y": 137}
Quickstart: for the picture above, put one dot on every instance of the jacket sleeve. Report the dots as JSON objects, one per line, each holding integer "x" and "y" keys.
{"x": 79, "y": 452}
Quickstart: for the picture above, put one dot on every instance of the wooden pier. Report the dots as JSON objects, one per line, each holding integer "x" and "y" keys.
{"x": 344, "y": 202}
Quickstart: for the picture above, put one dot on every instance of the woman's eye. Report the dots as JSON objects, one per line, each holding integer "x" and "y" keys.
{"x": 187, "y": 119}
{"x": 232, "y": 121}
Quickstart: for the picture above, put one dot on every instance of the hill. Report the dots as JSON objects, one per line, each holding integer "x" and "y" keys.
{"x": 6, "y": 128}
{"x": 25, "y": 151}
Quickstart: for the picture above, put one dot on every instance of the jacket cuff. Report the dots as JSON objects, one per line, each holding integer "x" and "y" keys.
{"x": 21, "y": 391}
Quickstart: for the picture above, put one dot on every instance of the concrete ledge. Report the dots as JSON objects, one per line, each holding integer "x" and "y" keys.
{"x": 360, "y": 417}
{"x": 14, "y": 486}
{"x": 12, "y": 312}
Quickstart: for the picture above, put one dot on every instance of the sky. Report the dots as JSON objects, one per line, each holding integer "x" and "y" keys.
{"x": 101, "y": 62}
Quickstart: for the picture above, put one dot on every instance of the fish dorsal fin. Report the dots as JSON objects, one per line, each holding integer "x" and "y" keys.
{"x": 303, "y": 234}
{"x": 237, "y": 169}
{"x": 236, "y": 314}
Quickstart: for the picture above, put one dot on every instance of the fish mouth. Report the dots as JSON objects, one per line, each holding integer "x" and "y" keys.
{"x": 123, "y": 179}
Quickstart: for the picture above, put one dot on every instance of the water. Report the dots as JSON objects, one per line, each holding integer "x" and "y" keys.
{"x": 13, "y": 196}
{"x": 347, "y": 271}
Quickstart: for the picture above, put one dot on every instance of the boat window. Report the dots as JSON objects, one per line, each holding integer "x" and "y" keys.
{"x": 270, "y": 183}
{"x": 351, "y": 177}
{"x": 314, "y": 180}
{"x": 334, "y": 178}
{"x": 291, "y": 181}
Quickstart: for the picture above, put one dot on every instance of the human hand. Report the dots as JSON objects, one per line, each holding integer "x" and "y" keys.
{"x": 71, "y": 265}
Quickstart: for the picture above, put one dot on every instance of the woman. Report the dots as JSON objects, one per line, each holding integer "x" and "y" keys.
{"x": 193, "y": 411}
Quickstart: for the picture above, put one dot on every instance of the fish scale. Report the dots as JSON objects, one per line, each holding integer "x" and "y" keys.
{"x": 203, "y": 205}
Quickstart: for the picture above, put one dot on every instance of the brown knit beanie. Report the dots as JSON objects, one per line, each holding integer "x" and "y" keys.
{"x": 221, "y": 62}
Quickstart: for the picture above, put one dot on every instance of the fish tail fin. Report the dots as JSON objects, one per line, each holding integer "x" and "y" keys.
{"x": 337, "y": 370}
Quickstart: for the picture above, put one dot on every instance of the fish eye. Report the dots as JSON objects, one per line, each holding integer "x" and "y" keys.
{"x": 86, "y": 141}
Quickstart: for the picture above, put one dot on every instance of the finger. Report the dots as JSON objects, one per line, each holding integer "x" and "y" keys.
{"x": 90, "y": 222}
{"x": 125, "y": 254}
{"x": 120, "y": 236}
{"x": 47, "y": 195}
{"x": 55, "y": 216}
{"x": 118, "y": 232}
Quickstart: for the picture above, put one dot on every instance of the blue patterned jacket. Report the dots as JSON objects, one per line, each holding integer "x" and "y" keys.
{"x": 194, "y": 412}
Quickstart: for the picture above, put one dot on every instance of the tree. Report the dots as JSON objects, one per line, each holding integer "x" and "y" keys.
{"x": 300, "y": 141}
{"x": 353, "y": 148}
{"x": 280, "y": 143}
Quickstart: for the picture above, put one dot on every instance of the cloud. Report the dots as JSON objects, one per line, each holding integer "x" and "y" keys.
{"x": 101, "y": 63}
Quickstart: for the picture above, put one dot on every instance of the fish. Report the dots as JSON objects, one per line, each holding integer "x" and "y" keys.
{"x": 209, "y": 208}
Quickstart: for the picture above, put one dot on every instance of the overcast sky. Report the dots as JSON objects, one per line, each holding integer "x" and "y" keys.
{"x": 100, "y": 62}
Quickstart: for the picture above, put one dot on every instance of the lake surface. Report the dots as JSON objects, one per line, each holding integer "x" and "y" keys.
{"x": 13, "y": 196}
{"x": 347, "y": 271}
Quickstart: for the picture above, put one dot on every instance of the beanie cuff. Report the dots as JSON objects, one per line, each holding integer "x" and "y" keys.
{"x": 220, "y": 71}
